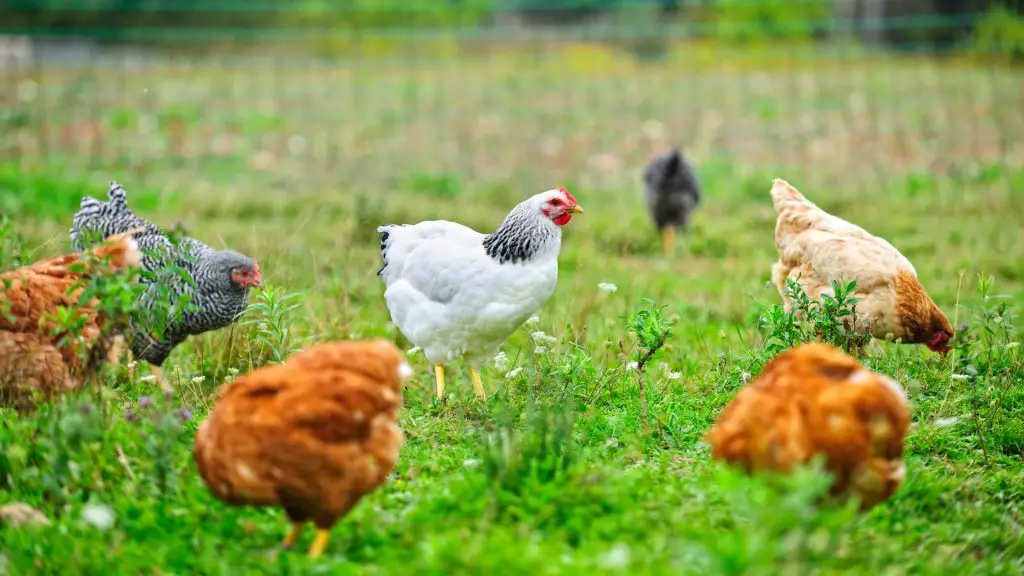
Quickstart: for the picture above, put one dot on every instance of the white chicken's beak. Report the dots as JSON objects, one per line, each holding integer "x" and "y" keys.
{"x": 576, "y": 209}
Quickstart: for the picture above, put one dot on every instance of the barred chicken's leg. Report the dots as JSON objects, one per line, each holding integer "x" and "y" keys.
{"x": 478, "y": 385}
{"x": 165, "y": 385}
{"x": 439, "y": 384}
{"x": 319, "y": 543}
{"x": 292, "y": 536}
{"x": 668, "y": 239}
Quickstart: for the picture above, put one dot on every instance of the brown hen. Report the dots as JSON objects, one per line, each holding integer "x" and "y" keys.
{"x": 812, "y": 400}
{"x": 36, "y": 354}
{"x": 817, "y": 248}
{"x": 312, "y": 435}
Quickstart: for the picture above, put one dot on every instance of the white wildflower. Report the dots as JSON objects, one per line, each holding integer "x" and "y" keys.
{"x": 607, "y": 287}
{"x": 611, "y": 443}
{"x": 674, "y": 375}
{"x": 543, "y": 337}
{"x": 745, "y": 377}
{"x": 540, "y": 350}
{"x": 1012, "y": 345}
{"x": 471, "y": 463}
{"x": 198, "y": 379}
{"x": 233, "y": 371}
{"x": 632, "y": 366}
{"x": 960, "y": 377}
{"x": 149, "y": 378}
{"x": 947, "y": 422}
{"x": 533, "y": 320}
{"x": 501, "y": 361}
{"x": 514, "y": 372}
{"x": 99, "y": 516}
{"x": 413, "y": 350}
{"x": 617, "y": 557}
{"x": 131, "y": 365}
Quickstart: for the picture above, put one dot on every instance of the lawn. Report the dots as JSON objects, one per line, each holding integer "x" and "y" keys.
{"x": 295, "y": 162}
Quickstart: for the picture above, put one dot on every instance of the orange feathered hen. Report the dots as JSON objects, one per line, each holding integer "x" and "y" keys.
{"x": 312, "y": 435}
{"x": 36, "y": 354}
{"x": 817, "y": 400}
{"x": 817, "y": 248}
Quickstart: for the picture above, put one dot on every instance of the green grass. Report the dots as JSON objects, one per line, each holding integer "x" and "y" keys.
{"x": 296, "y": 163}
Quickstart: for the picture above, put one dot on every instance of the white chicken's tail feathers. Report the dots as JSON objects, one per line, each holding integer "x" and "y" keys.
{"x": 387, "y": 239}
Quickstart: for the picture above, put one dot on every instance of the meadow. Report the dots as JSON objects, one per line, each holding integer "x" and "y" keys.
{"x": 296, "y": 161}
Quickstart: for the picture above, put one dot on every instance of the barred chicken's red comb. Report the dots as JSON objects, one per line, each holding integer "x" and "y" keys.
{"x": 569, "y": 196}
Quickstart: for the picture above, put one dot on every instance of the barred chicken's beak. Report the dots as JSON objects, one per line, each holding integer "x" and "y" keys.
{"x": 576, "y": 209}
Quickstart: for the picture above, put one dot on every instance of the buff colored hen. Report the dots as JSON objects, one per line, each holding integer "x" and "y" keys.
{"x": 817, "y": 248}
{"x": 812, "y": 400}
{"x": 311, "y": 436}
{"x": 36, "y": 355}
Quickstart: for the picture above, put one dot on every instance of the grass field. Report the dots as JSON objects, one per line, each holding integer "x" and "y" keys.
{"x": 296, "y": 163}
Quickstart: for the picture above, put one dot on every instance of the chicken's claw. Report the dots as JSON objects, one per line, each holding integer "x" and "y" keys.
{"x": 319, "y": 543}
{"x": 439, "y": 381}
{"x": 292, "y": 536}
{"x": 478, "y": 385}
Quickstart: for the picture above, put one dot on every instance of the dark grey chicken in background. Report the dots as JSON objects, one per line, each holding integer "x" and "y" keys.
{"x": 217, "y": 295}
{"x": 672, "y": 194}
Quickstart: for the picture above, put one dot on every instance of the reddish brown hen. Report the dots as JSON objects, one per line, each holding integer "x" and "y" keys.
{"x": 817, "y": 400}
{"x": 312, "y": 435}
{"x": 36, "y": 356}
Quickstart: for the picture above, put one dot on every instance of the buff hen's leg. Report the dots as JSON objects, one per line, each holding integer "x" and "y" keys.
{"x": 478, "y": 385}
{"x": 439, "y": 381}
{"x": 668, "y": 239}
{"x": 319, "y": 543}
{"x": 292, "y": 536}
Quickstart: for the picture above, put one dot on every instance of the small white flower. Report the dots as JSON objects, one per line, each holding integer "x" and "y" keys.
{"x": 960, "y": 377}
{"x": 533, "y": 320}
{"x": 501, "y": 361}
{"x": 540, "y": 350}
{"x": 607, "y": 287}
{"x": 514, "y": 372}
{"x": 632, "y": 366}
{"x": 131, "y": 365}
{"x": 413, "y": 350}
{"x": 745, "y": 376}
{"x": 149, "y": 378}
{"x": 1012, "y": 345}
{"x": 99, "y": 516}
{"x": 471, "y": 463}
{"x": 611, "y": 443}
{"x": 947, "y": 422}
{"x": 674, "y": 375}
{"x": 542, "y": 336}
{"x": 233, "y": 371}
{"x": 198, "y": 379}
{"x": 617, "y": 557}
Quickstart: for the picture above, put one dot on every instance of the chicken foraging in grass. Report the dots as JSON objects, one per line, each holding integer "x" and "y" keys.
{"x": 36, "y": 353}
{"x": 672, "y": 194}
{"x": 453, "y": 291}
{"x": 817, "y": 248}
{"x": 813, "y": 400}
{"x": 312, "y": 435}
{"x": 222, "y": 278}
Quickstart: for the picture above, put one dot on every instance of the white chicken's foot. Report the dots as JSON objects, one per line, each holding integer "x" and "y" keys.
{"x": 478, "y": 385}
{"x": 439, "y": 381}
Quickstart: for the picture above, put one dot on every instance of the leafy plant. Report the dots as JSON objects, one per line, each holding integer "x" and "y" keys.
{"x": 271, "y": 316}
{"x": 830, "y": 319}
{"x": 650, "y": 328}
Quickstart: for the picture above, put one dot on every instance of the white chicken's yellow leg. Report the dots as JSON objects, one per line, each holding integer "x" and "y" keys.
{"x": 478, "y": 385}
{"x": 668, "y": 239}
{"x": 439, "y": 381}
{"x": 292, "y": 536}
{"x": 319, "y": 543}
{"x": 164, "y": 384}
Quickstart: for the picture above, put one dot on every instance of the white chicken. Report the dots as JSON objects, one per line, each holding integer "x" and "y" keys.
{"x": 455, "y": 292}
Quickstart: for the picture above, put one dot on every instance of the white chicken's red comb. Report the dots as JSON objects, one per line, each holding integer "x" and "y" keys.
{"x": 568, "y": 196}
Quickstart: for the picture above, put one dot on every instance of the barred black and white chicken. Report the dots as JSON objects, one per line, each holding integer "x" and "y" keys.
{"x": 217, "y": 293}
{"x": 672, "y": 194}
{"x": 455, "y": 292}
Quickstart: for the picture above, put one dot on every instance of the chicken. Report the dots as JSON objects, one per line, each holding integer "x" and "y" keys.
{"x": 222, "y": 278}
{"x": 36, "y": 354}
{"x": 455, "y": 292}
{"x": 672, "y": 194}
{"x": 816, "y": 248}
{"x": 312, "y": 435}
{"x": 814, "y": 400}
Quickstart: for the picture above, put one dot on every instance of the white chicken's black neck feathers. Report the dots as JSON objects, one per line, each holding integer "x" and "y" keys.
{"x": 523, "y": 236}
